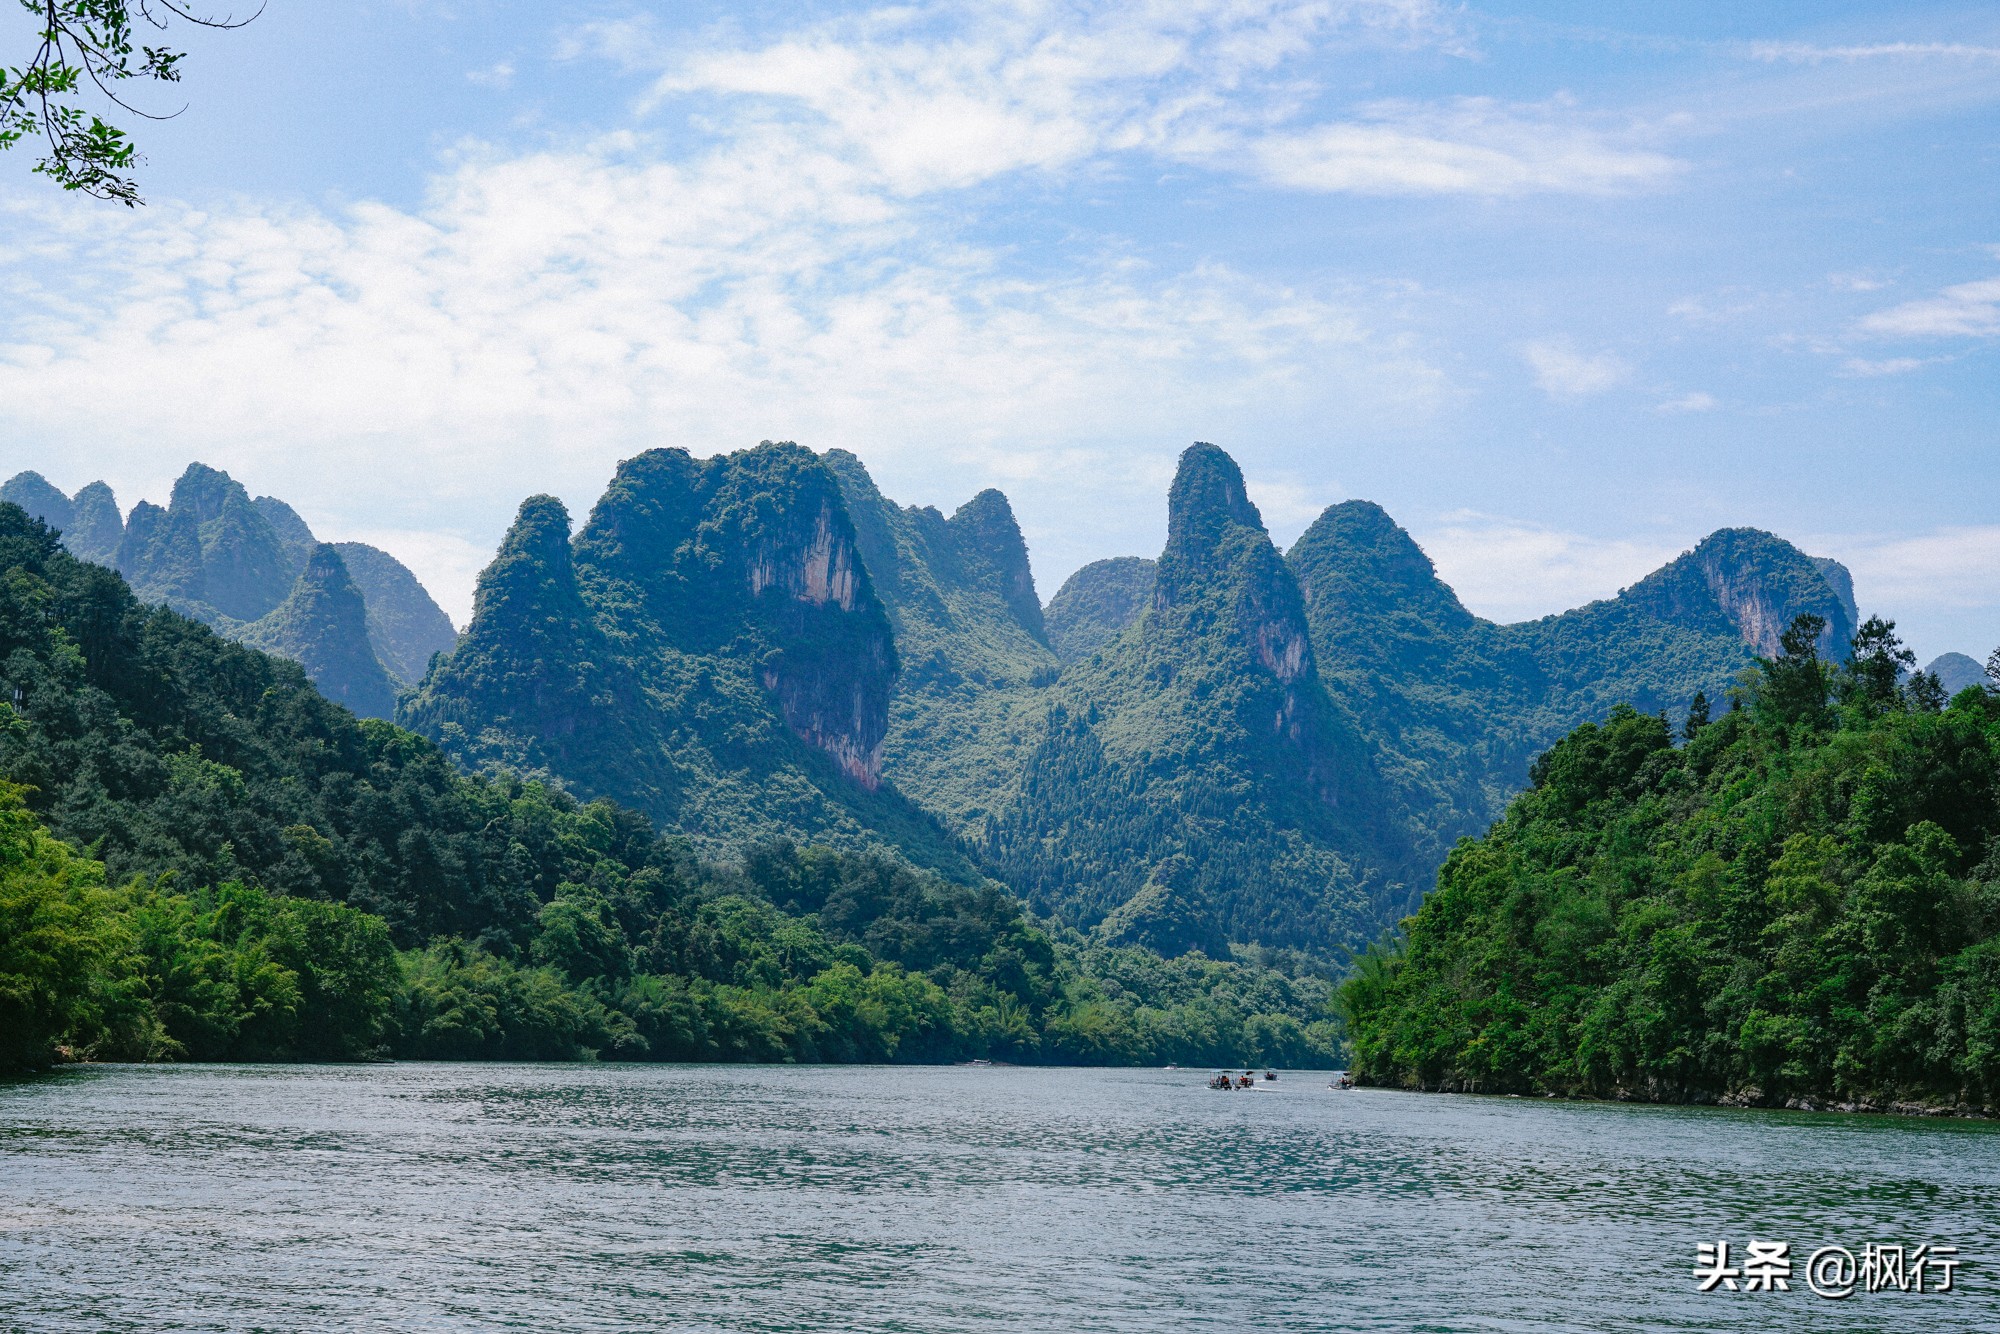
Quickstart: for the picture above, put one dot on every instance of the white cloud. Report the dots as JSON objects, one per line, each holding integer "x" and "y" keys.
{"x": 1965, "y": 310}
{"x": 1718, "y": 308}
{"x": 1473, "y": 146}
{"x": 1025, "y": 86}
{"x": 791, "y": 262}
{"x": 1938, "y": 586}
{"x": 1288, "y": 506}
{"x": 1949, "y": 567}
{"x": 498, "y": 76}
{"x": 1861, "y": 366}
{"x": 544, "y": 316}
{"x": 1698, "y": 401}
{"x": 941, "y": 96}
{"x": 1806, "y": 53}
{"x": 1510, "y": 570}
{"x": 1562, "y": 371}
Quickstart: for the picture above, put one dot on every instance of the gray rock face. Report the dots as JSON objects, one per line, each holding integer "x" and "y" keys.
{"x": 967, "y": 704}
{"x": 1755, "y": 583}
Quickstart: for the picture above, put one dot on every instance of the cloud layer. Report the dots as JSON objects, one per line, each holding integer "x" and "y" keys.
{"x": 798, "y": 259}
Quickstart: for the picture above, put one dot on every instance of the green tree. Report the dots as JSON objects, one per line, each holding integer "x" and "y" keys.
{"x": 80, "y": 46}
{"x": 1767, "y": 913}
{"x": 1878, "y": 663}
{"x": 1795, "y": 684}
{"x": 67, "y": 964}
{"x": 1697, "y": 716}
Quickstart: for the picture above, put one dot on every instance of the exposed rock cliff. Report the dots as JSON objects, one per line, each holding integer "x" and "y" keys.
{"x": 1203, "y": 732}
{"x": 967, "y": 705}
{"x": 755, "y": 547}
{"x": 1750, "y": 582}
{"x": 710, "y": 648}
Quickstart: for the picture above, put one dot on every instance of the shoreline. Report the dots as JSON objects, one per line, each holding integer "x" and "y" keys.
{"x": 1750, "y": 1099}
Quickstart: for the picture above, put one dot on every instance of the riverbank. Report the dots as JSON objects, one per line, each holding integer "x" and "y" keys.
{"x": 1748, "y": 1098}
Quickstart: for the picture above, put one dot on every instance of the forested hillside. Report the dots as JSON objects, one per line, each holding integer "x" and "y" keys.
{"x": 1196, "y": 785}
{"x": 970, "y": 698}
{"x": 202, "y": 858}
{"x": 1095, "y": 604}
{"x": 709, "y": 649}
{"x": 1799, "y": 902}
{"x": 1219, "y": 747}
{"x": 1455, "y": 707}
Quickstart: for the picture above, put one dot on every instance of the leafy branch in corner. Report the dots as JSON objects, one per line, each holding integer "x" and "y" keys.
{"x": 84, "y": 45}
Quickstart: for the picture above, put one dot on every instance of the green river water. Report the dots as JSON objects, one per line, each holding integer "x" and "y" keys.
{"x": 615, "y": 1197}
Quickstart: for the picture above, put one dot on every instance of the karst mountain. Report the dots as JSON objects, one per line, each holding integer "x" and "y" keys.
{"x": 1219, "y": 746}
{"x": 1225, "y": 745}
{"x": 352, "y": 614}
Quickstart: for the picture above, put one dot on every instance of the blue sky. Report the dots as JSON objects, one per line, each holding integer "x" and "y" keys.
{"x": 1563, "y": 286}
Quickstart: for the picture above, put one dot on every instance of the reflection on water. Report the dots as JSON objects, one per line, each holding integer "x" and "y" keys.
{"x": 620, "y": 1197}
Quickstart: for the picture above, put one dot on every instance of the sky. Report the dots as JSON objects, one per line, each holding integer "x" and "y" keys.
{"x": 1563, "y": 286}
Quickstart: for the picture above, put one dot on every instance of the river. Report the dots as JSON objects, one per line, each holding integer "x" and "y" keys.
{"x": 616, "y": 1197}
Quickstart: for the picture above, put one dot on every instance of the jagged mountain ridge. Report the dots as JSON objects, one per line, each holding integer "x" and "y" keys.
{"x": 709, "y": 648}
{"x": 1457, "y": 706}
{"x": 218, "y": 555}
{"x": 1196, "y": 781}
{"x": 968, "y": 704}
{"x": 323, "y": 626}
{"x": 1224, "y": 744}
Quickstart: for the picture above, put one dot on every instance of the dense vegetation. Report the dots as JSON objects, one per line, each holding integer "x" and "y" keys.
{"x": 1225, "y": 747}
{"x": 708, "y": 649}
{"x": 1800, "y": 902}
{"x": 1220, "y": 747}
{"x": 1195, "y": 782}
{"x": 202, "y": 858}
{"x": 1454, "y": 707}
{"x": 1095, "y": 604}
{"x": 322, "y": 625}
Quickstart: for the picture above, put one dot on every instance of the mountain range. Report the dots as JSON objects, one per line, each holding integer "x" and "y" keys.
{"x": 353, "y": 615}
{"x": 1226, "y": 745}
